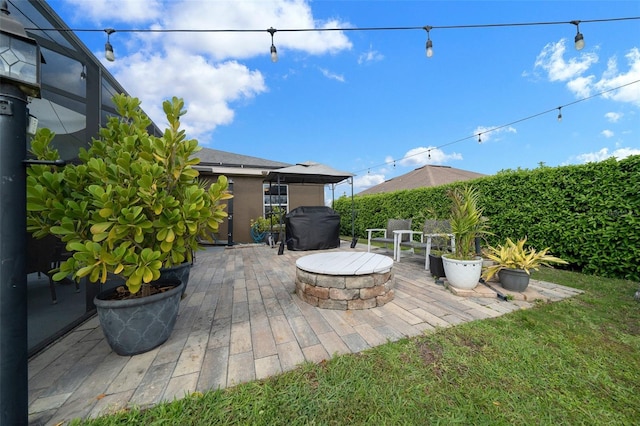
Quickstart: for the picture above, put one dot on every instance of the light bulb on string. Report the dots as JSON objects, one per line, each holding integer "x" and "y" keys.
{"x": 559, "y": 113}
{"x": 429, "y": 42}
{"x": 108, "y": 48}
{"x": 274, "y": 52}
{"x": 579, "y": 38}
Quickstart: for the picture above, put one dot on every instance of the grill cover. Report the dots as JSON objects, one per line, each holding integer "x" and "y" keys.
{"x": 312, "y": 228}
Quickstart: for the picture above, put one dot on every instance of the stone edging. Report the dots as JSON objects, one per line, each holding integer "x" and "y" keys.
{"x": 345, "y": 292}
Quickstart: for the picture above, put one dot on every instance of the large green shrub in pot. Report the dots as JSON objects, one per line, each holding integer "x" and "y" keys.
{"x": 131, "y": 205}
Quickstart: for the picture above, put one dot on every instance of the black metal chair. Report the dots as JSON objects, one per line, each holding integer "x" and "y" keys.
{"x": 44, "y": 255}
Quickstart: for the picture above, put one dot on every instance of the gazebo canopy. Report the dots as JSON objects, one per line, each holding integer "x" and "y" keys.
{"x": 308, "y": 172}
{"x": 311, "y": 172}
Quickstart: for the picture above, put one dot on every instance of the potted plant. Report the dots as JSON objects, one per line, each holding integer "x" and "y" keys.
{"x": 514, "y": 262}
{"x": 262, "y": 227}
{"x": 259, "y": 227}
{"x": 463, "y": 267}
{"x": 436, "y": 266}
{"x": 130, "y": 207}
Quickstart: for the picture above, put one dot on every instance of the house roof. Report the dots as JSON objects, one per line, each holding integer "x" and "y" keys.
{"x": 214, "y": 157}
{"x": 425, "y": 176}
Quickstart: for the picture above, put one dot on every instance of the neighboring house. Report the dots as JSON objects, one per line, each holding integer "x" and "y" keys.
{"x": 424, "y": 176}
{"x": 253, "y": 194}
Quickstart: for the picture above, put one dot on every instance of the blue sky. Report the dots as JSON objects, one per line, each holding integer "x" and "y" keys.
{"x": 371, "y": 102}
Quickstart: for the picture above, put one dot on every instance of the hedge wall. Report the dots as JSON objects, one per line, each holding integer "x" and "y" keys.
{"x": 588, "y": 214}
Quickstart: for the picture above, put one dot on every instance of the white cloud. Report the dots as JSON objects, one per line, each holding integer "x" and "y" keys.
{"x": 153, "y": 78}
{"x": 607, "y": 133}
{"x": 581, "y": 86}
{"x": 252, "y": 15}
{"x": 127, "y": 11}
{"x": 489, "y": 132}
{"x": 366, "y": 181}
{"x": 603, "y": 154}
{"x": 573, "y": 72}
{"x": 332, "y": 76}
{"x": 613, "y": 117}
{"x": 551, "y": 59}
{"x": 427, "y": 155}
{"x": 204, "y": 68}
{"x": 613, "y": 78}
{"x": 370, "y": 56}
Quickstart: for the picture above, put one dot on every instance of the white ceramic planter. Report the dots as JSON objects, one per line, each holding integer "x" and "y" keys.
{"x": 462, "y": 274}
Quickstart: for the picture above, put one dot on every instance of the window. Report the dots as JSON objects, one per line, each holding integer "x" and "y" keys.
{"x": 275, "y": 197}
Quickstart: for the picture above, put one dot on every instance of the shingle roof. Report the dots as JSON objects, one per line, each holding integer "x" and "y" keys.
{"x": 214, "y": 157}
{"x": 424, "y": 176}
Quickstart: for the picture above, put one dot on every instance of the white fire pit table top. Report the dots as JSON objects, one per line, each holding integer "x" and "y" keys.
{"x": 345, "y": 263}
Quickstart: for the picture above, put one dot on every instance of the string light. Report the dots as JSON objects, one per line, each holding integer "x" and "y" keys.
{"x": 83, "y": 74}
{"x": 429, "y": 42}
{"x": 559, "y": 109}
{"x": 108, "y": 48}
{"x": 579, "y": 38}
{"x": 274, "y": 52}
{"x": 579, "y": 44}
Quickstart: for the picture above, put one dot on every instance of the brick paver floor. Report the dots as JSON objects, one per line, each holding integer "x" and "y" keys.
{"x": 241, "y": 321}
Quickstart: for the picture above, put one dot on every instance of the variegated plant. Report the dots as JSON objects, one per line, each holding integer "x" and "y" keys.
{"x": 515, "y": 256}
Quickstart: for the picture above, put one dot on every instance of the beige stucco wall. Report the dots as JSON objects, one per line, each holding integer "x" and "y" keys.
{"x": 247, "y": 204}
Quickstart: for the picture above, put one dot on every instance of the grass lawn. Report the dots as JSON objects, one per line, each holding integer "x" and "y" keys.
{"x": 571, "y": 362}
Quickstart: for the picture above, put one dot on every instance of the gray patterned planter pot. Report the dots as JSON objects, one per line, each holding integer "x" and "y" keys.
{"x": 178, "y": 272}
{"x": 514, "y": 279}
{"x": 135, "y": 326}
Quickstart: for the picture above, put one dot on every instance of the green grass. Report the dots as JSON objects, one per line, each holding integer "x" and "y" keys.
{"x": 571, "y": 362}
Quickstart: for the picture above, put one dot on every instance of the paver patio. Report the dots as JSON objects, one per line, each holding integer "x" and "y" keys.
{"x": 241, "y": 321}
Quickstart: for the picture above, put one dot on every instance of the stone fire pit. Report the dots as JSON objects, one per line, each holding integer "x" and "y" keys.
{"x": 345, "y": 280}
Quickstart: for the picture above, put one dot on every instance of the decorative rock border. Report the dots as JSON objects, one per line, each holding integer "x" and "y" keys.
{"x": 345, "y": 292}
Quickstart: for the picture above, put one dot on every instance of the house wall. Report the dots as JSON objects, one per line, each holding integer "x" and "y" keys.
{"x": 247, "y": 203}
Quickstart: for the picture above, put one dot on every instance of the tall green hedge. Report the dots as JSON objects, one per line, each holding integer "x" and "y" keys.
{"x": 588, "y": 214}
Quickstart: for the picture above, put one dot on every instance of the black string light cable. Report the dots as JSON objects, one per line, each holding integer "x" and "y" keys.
{"x": 579, "y": 44}
{"x": 579, "y": 38}
{"x": 229, "y": 30}
{"x": 493, "y": 129}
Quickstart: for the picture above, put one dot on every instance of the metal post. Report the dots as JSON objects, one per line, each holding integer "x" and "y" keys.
{"x": 13, "y": 242}
{"x": 230, "y": 216}
{"x": 354, "y": 239}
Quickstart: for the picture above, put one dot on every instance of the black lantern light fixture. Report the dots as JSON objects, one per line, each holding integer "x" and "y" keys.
{"x": 19, "y": 55}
